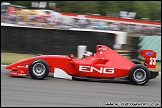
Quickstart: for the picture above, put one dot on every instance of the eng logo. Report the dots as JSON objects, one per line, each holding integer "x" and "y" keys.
{"x": 93, "y": 69}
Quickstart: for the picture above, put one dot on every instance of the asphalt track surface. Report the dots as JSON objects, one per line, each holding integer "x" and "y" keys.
{"x": 54, "y": 92}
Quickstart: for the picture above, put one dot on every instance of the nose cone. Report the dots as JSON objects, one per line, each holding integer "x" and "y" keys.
{"x": 13, "y": 65}
{"x": 20, "y": 64}
{"x": 9, "y": 66}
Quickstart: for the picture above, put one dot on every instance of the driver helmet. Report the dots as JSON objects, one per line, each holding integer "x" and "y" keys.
{"x": 87, "y": 53}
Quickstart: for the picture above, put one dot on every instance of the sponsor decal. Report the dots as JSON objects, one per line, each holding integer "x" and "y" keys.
{"x": 93, "y": 69}
{"x": 20, "y": 66}
{"x": 149, "y": 53}
{"x": 26, "y": 65}
{"x": 102, "y": 48}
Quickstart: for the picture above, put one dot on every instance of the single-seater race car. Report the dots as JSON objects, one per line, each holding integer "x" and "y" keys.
{"x": 105, "y": 63}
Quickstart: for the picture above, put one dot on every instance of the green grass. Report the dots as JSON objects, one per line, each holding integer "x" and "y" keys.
{"x": 8, "y": 58}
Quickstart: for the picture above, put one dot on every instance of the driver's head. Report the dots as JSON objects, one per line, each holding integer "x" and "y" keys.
{"x": 87, "y": 53}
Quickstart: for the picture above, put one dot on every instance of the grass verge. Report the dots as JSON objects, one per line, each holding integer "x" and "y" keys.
{"x": 8, "y": 58}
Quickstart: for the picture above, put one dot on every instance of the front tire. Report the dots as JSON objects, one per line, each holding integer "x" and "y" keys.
{"x": 39, "y": 69}
{"x": 139, "y": 74}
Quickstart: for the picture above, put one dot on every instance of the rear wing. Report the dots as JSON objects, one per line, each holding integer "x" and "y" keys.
{"x": 150, "y": 58}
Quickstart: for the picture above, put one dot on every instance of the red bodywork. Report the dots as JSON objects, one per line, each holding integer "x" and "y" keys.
{"x": 105, "y": 63}
{"x": 150, "y": 58}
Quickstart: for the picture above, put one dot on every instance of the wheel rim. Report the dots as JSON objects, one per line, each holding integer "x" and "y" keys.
{"x": 39, "y": 69}
{"x": 139, "y": 75}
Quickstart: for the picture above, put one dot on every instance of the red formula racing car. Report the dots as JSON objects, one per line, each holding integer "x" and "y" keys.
{"x": 105, "y": 63}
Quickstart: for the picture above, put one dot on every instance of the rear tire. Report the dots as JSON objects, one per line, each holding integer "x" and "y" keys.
{"x": 136, "y": 61}
{"x": 139, "y": 74}
{"x": 39, "y": 69}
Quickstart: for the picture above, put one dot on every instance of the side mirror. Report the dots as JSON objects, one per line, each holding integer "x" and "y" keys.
{"x": 72, "y": 56}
